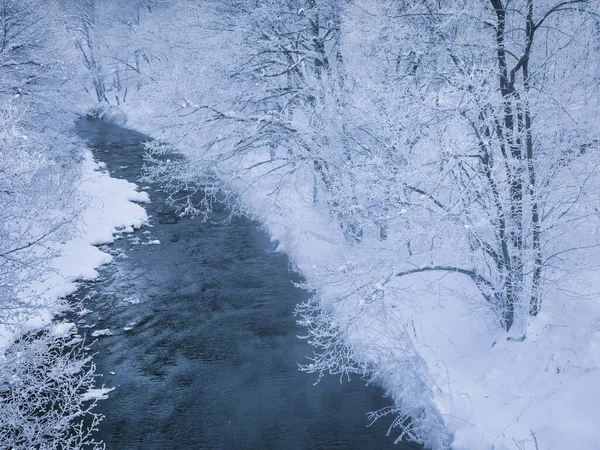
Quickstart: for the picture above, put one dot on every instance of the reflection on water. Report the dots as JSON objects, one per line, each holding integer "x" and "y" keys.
{"x": 204, "y": 351}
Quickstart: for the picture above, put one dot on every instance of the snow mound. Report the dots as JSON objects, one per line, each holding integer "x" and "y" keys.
{"x": 97, "y": 394}
{"x": 105, "y": 332}
{"x": 64, "y": 329}
{"x": 108, "y": 114}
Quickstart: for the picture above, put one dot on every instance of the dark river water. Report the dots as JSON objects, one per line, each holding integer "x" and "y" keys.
{"x": 203, "y": 352}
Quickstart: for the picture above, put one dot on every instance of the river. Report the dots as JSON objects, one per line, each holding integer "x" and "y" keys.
{"x": 203, "y": 352}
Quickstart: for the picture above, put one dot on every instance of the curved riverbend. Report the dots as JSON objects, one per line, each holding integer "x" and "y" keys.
{"x": 204, "y": 351}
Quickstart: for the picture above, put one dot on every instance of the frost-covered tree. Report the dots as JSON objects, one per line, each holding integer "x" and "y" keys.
{"x": 112, "y": 40}
{"x": 486, "y": 146}
{"x": 284, "y": 95}
{"x": 84, "y": 24}
{"x": 20, "y": 31}
{"x": 36, "y": 213}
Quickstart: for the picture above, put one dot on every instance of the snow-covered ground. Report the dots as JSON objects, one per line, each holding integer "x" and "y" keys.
{"x": 110, "y": 207}
{"x": 493, "y": 393}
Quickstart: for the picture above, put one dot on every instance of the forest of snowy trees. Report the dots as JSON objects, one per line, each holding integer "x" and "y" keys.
{"x": 42, "y": 377}
{"x": 430, "y": 167}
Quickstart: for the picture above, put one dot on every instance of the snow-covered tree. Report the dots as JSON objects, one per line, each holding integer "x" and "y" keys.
{"x": 112, "y": 40}
{"x": 486, "y": 125}
{"x": 282, "y": 91}
{"x": 36, "y": 213}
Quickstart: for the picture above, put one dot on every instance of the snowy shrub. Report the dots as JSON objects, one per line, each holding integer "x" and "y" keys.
{"x": 335, "y": 355}
{"x": 43, "y": 401}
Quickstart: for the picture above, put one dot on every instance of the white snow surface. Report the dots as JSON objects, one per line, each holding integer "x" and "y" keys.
{"x": 111, "y": 206}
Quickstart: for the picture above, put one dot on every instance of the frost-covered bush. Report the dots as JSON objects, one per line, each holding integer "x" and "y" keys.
{"x": 338, "y": 353}
{"x": 43, "y": 395}
{"x": 38, "y": 210}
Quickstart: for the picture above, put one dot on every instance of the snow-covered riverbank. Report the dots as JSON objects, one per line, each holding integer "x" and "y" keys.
{"x": 493, "y": 391}
{"x": 475, "y": 386}
{"x": 110, "y": 207}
